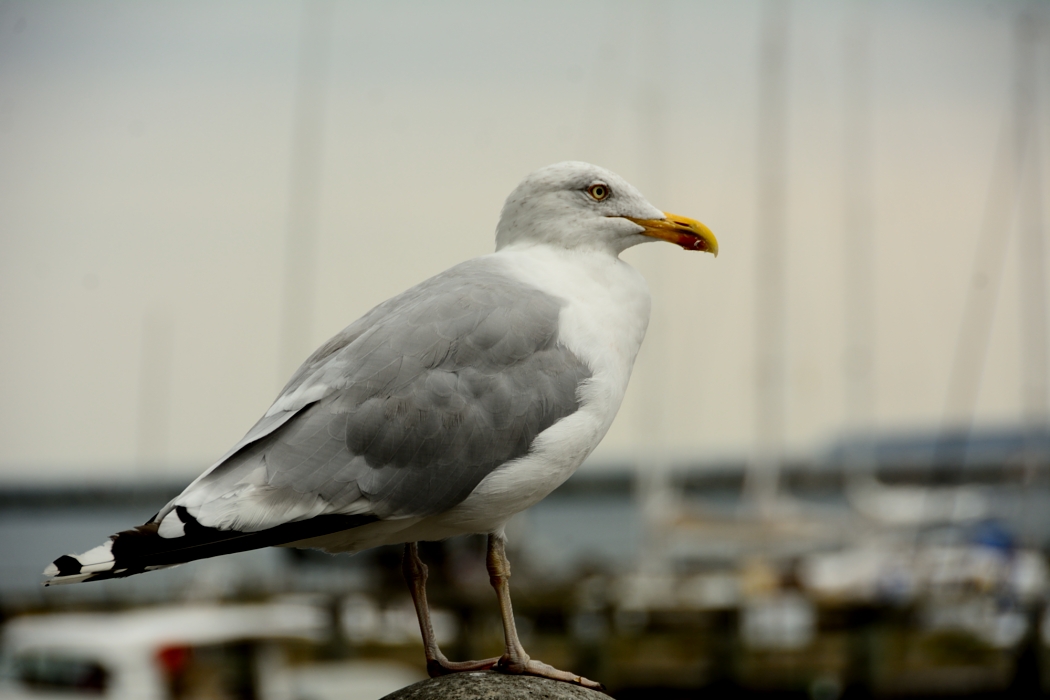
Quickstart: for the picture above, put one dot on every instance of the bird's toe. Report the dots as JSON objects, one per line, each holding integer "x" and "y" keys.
{"x": 532, "y": 667}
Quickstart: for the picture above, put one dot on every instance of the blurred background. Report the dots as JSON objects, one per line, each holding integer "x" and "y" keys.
{"x": 830, "y": 476}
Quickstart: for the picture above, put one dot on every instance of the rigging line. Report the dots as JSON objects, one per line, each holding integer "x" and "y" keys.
{"x": 304, "y": 187}
{"x": 763, "y": 474}
{"x": 971, "y": 347}
{"x": 859, "y": 306}
{"x": 1031, "y": 35}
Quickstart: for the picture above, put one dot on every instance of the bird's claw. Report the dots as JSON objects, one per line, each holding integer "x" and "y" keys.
{"x": 531, "y": 667}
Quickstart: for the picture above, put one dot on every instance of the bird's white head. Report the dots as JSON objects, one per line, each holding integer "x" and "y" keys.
{"x": 578, "y": 205}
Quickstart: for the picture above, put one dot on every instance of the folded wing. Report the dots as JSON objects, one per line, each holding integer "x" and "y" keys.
{"x": 400, "y": 415}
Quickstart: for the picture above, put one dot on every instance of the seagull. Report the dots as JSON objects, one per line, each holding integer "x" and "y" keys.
{"x": 442, "y": 411}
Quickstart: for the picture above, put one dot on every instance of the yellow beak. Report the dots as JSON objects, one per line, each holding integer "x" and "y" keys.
{"x": 687, "y": 233}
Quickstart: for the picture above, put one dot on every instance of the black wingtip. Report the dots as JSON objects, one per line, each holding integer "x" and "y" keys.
{"x": 142, "y": 549}
{"x": 67, "y": 565}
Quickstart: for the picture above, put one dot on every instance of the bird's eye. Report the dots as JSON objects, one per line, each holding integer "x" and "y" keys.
{"x": 598, "y": 192}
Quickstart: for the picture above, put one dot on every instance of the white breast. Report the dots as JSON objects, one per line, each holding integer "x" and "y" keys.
{"x": 606, "y": 308}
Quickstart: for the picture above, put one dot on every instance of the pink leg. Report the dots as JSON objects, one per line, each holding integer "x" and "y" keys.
{"x": 515, "y": 660}
{"x": 415, "y": 572}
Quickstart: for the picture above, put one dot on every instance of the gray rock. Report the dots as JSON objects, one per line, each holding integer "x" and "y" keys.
{"x": 490, "y": 685}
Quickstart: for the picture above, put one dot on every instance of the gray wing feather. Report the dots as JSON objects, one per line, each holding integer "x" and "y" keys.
{"x": 404, "y": 412}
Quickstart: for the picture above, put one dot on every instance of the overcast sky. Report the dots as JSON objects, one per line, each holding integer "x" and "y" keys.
{"x": 145, "y": 159}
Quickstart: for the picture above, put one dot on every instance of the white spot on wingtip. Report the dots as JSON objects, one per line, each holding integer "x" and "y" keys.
{"x": 171, "y": 526}
{"x": 102, "y": 554}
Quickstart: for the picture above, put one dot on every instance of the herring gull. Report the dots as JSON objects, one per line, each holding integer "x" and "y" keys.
{"x": 441, "y": 412}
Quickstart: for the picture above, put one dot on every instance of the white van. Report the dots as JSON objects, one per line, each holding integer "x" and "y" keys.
{"x": 184, "y": 652}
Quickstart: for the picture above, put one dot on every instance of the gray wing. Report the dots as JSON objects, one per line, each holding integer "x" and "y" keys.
{"x": 404, "y": 412}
